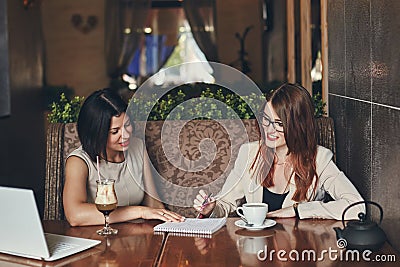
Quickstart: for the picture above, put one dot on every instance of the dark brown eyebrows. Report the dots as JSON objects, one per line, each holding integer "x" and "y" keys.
{"x": 263, "y": 114}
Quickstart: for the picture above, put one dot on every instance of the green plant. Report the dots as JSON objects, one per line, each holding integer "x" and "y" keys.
{"x": 202, "y": 106}
{"x": 205, "y": 106}
{"x": 319, "y": 105}
{"x": 211, "y": 103}
{"x": 52, "y": 93}
{"x": 65, "y": 110}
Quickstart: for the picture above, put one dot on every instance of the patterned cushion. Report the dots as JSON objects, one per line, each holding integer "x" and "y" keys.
{"x": 192, "y": 155}
{"x": 61, "y": 140}
{"x": 71, "y": 139}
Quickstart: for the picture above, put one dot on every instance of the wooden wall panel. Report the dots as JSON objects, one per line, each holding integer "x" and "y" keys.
{"x": 291, "y": 54}
{"x": 305, "y": 40}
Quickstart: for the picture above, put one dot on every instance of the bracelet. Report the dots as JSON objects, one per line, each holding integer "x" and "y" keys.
{"x": 296, "y": 211}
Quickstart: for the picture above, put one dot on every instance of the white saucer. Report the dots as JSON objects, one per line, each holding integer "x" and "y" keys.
{"x": 267, "y": 223}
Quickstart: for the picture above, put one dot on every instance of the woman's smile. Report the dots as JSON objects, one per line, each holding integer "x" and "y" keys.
{"x": 124, "y": 143}
{"x": 272, "y": 136}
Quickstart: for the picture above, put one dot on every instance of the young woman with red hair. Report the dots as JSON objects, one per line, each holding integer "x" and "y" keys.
{"x": 286, "y": 168}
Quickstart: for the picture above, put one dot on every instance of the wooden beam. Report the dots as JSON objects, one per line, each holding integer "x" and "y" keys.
{"x": 305, "y": 40}
{"x": 291, "y": 52}
{"x": 324, "y": 52}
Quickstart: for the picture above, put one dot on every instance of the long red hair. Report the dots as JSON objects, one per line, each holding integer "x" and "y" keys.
{"x": 294, "y": 106}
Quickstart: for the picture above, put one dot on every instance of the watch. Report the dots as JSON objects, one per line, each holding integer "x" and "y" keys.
{"x": 296, "y": 211}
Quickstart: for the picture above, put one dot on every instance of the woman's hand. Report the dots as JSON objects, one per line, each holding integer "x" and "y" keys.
{"x": 161, "y": 214}
{"x": 282, "y": 213}
{"x": 204, "y": 209}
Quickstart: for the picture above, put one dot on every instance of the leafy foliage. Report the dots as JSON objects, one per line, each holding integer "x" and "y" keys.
{"x": 52, "y": 94}
{"x": 65, "y": 110}
{"x": 209, "y": 104}
{"x": 319, "y": 105}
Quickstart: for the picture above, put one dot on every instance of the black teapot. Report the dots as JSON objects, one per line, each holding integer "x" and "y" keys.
{"x": 362, "y": 234}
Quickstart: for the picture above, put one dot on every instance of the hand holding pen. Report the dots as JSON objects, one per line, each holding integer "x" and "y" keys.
{"x": 204, "y": 204}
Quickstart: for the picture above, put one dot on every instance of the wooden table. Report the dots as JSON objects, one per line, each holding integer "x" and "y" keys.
{"x": 137, "y": 245}
{"x": 233, "y": 246}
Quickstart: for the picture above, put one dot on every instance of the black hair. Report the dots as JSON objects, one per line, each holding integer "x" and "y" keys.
{"x": 95, "y": 118}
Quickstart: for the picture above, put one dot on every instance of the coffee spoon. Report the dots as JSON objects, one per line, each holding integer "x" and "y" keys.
{"x": 247, "y": 223}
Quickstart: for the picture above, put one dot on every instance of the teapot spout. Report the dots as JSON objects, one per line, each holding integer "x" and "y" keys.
{"x": 339, "y": 232}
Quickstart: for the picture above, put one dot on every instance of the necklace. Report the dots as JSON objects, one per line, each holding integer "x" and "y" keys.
{"x": 280, "y": 163}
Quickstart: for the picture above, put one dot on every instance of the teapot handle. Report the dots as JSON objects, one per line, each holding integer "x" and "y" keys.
{"x": 366, "y": 211}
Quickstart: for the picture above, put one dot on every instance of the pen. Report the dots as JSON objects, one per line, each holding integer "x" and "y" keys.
{"x": 203, "y": 205}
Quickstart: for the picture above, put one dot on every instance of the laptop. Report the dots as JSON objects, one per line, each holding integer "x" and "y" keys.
{"x": 22, "y": 234}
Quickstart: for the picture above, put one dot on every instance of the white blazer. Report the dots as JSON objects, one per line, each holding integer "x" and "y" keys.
{"x": 242, "y": 183}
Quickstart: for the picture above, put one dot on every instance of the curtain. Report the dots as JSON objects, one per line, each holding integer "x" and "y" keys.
{"x": 125, "y": 20}
{"x": 201, "y": 17}
{"x": 156, "y": 54}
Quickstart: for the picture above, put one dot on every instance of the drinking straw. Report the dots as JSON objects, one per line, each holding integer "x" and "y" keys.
{"x": 98, "y": 167}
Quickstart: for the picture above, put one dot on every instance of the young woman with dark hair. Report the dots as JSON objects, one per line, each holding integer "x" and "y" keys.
{"x": 286, "y": 168}
{"x": 106, "y": 132}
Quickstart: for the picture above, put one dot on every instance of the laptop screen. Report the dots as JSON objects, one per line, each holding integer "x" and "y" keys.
{"x": 21, "y": 229}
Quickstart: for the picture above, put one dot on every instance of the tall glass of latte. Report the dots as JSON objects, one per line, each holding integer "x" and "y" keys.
{"x": 106, "y": 202}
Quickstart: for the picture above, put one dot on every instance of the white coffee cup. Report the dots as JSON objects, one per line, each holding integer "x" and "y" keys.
{"x": 253, "y": 213}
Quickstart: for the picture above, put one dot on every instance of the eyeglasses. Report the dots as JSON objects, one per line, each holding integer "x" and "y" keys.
{"x": 266, "y": 121}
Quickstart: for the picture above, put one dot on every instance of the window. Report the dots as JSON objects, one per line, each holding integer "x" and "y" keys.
{"x": 168, "y": 42}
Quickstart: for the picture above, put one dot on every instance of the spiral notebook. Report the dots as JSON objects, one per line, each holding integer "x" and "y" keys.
{"x": 184, "y": 234}
{"x": 190, "y": 226}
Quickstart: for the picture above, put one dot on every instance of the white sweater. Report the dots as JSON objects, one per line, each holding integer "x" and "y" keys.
{"x": 241, "y": 182}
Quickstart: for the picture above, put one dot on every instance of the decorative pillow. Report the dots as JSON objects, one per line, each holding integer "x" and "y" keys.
{"x": 188, "y": 156}
{"x": 71, "y": 139}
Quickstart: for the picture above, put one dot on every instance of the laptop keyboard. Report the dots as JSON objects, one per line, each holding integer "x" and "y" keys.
{"x": 56, "y": 246}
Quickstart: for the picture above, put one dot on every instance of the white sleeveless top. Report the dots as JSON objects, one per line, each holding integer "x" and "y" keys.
{"x": 128, "y": 175}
